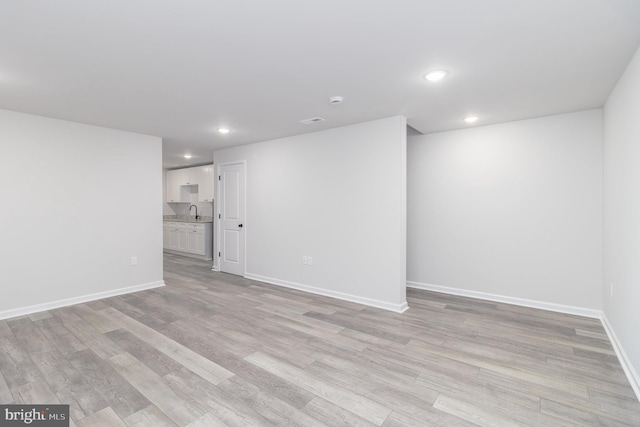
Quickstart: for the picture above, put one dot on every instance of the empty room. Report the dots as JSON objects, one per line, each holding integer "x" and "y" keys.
{"x": 358, "y": 213}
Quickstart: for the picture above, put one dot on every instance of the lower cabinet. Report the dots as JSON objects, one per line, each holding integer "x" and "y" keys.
{"x": 190, "y": 238}
{"x": 195, "y": 239}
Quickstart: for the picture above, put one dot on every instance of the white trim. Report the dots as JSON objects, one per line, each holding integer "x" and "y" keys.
{"x": 398, "y": 308}
{"x": 568, "y": 309}
{"x": 77, "y": 300}
{"x": 631, "y": 373}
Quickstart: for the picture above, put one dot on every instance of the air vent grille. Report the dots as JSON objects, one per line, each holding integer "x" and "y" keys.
{"x": 312, "y": 120}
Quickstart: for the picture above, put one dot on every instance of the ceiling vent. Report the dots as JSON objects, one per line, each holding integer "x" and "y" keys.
{"x": 312, "y": 120}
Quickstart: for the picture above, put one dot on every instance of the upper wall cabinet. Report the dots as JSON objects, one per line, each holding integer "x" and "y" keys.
{"x": 188, "y": 176}
{"x": 206, "y": 184}
{"x": 177, "y": 179}
{"x": 174, "y": 189}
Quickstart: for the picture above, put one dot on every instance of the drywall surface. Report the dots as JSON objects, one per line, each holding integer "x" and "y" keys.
{"x": 336, "y": 195}
{"x": 79, "y": 202}
{"x": 513, "y": 209}
{"x": 622, "y": 213}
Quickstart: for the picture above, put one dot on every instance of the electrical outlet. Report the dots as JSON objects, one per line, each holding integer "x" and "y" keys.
{"x": 309, "y": 261}
{"x": 305, "y": 260}
{"x": 134, "y": 260}
{"x": 611, "y": 288}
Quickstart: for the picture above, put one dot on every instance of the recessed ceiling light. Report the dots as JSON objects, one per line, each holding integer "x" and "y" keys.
{"x": 223, "y": 130}
{"x": 471, "y": 119}
{"x": 436, "y": 75}
{"x": 187, "y": 156}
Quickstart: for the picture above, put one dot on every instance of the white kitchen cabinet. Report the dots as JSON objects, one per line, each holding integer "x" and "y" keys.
{"x": 206, "y": 183}
{"x": 189, "y": 238}
{"x": 178, "y": 181}
{"x": 195, "y": 238}
{"x": 174, "y": 237}
{"x": 182, "y": 239}
{"x": 186, "y": 176}
{"x": 175, "y": 193}
{"x": 178, "y": 236}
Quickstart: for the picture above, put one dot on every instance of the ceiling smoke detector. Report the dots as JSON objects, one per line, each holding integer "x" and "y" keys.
{"x": 312, "y": 120}
{"x": 336, "y": 100}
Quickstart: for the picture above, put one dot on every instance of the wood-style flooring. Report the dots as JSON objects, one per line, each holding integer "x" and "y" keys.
{"x": 211, "y": 349}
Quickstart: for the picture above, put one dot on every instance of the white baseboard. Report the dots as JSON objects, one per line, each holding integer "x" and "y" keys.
{"x": 631, "y": 373}
{"x": 77, "y": 300}
{"x": 398, "y": 308}
{"x": 568, "y": 309}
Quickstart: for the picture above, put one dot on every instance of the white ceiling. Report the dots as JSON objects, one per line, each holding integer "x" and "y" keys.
{"x": 181, "y": 69}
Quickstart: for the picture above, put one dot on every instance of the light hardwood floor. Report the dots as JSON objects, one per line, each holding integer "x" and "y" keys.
{"x": 212, "y": 349}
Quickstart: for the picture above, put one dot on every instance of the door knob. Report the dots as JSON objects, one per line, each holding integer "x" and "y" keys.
{"x": 240, "y": 225}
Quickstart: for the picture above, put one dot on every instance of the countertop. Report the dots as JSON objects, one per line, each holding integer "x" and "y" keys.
{"x": 186, "y": 218}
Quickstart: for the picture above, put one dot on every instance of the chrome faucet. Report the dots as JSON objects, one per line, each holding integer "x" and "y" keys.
{"x": 194, "y": 206}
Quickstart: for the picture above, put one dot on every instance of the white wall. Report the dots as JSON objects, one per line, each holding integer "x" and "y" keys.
{"x": 622, "y": 214}
{"x": 79, "y": 202}
{"x": 511, "y": 210}
{"x": 337, "y": 196}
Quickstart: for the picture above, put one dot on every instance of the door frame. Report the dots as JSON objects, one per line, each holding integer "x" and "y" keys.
{"x": 218, "y": 212}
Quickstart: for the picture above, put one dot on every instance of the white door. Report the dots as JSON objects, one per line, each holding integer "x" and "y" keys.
{"x": 232, "y": 211}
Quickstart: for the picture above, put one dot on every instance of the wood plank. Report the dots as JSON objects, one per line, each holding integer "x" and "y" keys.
{"x": 225, "y": 406}
{"x": 31, "y": 338}
{"x": 398, "y": 419}
{"x": 153, "y": 358}
{"x": 15, "y": 364}
{"x": 333, "y": 415}
{"x": 5, "y": 393}
{"x": 36, "y": 392}
{"x": 63, "y": 340}
{"x": 68, "y": 384}
{"x": 346, "y": 399}
{"x": 410, "y": 399}
{"x": 89, "y": 336}
{"x": 149, "y": 416}
{"x": 155, "y": 389}
{"x": 104, "y": 417}
{"x": 276, "y": 411}
{"x": 181, "y": 354}
{"x": 101, "y": 323}
{"x": 484, "y": 417}
{"x": 5, "y": 330}
{"x": 108, "y": 384}
{"x": 207, "y": 420}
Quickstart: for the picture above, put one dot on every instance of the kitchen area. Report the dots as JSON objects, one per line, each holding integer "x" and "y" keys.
{"x": 188, "y": 211}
